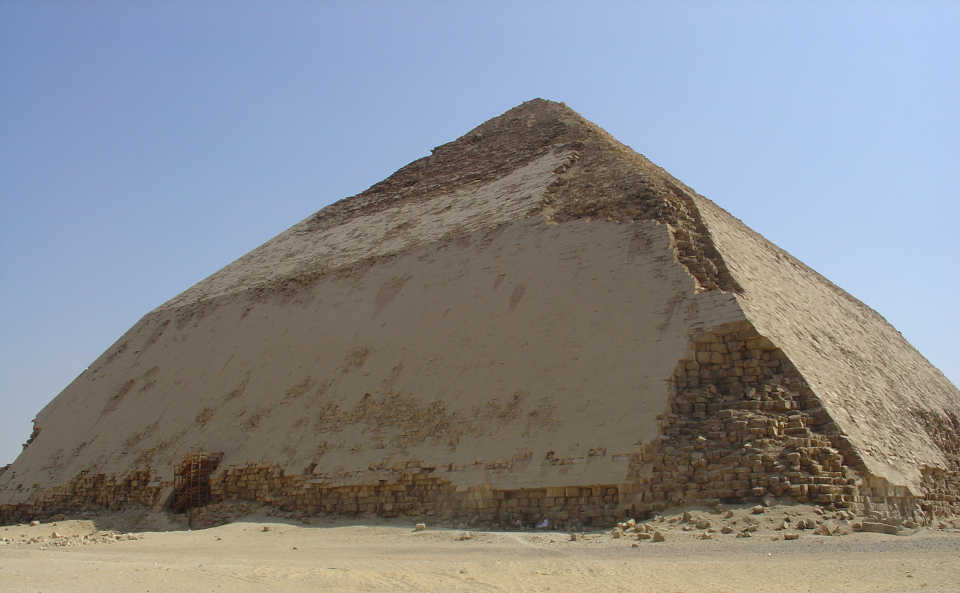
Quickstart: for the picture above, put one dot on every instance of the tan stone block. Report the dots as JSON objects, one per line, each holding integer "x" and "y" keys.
{"x": 760, "y": 343}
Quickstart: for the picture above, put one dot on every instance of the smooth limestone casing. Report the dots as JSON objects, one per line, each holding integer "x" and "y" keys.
{"x": 869, "y": 379}
{"x": 306, "y": 249}
{"x": 444, "y": 356}
{"x": 506, "y": 344}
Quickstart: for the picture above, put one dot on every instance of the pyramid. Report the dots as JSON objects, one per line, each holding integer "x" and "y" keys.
{"x": 532, "y": 322}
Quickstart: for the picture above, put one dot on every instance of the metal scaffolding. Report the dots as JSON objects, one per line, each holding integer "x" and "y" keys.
{"x": 191, "y": 480}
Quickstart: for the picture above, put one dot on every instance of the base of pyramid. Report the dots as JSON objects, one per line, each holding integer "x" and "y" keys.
{"x": 742, "y": 427}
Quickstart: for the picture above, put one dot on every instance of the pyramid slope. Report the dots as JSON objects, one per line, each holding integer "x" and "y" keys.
{"x": 488, "y": 176}
{"x": 532, "y": 317}
{"x": 893, "y": 406}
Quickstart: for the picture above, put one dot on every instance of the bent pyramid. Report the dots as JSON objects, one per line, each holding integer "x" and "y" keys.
{"x": 533, "y": 321}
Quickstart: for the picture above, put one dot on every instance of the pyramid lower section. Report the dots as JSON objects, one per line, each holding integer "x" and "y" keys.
{"x": 461, "y": 357}
{"x": 457, "y": 381}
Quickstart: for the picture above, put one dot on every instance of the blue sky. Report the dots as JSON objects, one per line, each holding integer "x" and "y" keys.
{"x": 145, "y": 145}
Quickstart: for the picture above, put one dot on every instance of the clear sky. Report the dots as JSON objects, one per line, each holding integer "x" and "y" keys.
{"x": 144, "y": 145}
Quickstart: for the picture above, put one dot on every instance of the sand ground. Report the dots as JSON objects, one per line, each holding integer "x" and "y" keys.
{"x": 266, "y": 555}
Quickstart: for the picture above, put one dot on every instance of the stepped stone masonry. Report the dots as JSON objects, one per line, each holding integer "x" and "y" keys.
{"x": 532, "y": 322}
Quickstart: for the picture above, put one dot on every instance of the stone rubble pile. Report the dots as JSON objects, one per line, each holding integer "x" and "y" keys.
{"x": 54, "y": 539}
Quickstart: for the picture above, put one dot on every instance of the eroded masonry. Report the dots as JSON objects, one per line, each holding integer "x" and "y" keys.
{"x": 533, "y": 322}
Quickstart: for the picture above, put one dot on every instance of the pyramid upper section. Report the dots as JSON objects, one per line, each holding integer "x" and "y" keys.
{"x": 538, "y": 159}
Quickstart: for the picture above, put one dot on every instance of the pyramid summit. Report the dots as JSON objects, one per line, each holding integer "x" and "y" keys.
{"x": 472, "y": 178}
{"x": 533, "y": 321}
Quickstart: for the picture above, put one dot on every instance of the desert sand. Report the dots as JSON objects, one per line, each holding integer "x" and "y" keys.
{"x": 266, "y": 554}
{"x": 534, "y": 321}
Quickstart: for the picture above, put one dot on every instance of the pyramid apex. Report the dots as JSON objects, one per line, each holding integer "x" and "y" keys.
{"x": 538, "y": 159}
{"x": 533, "y": 112}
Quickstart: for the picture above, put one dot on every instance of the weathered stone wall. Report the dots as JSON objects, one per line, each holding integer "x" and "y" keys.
{"x": 87, "y": 492}
{"x": 742, "y": 423}
{"x": 414, "y": 492}
{"x": 941, "y": 486}
{"x": 418, "y": 492}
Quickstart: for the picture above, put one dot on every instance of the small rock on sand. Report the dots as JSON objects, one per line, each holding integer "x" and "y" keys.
{"x": 877, "y": 527}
